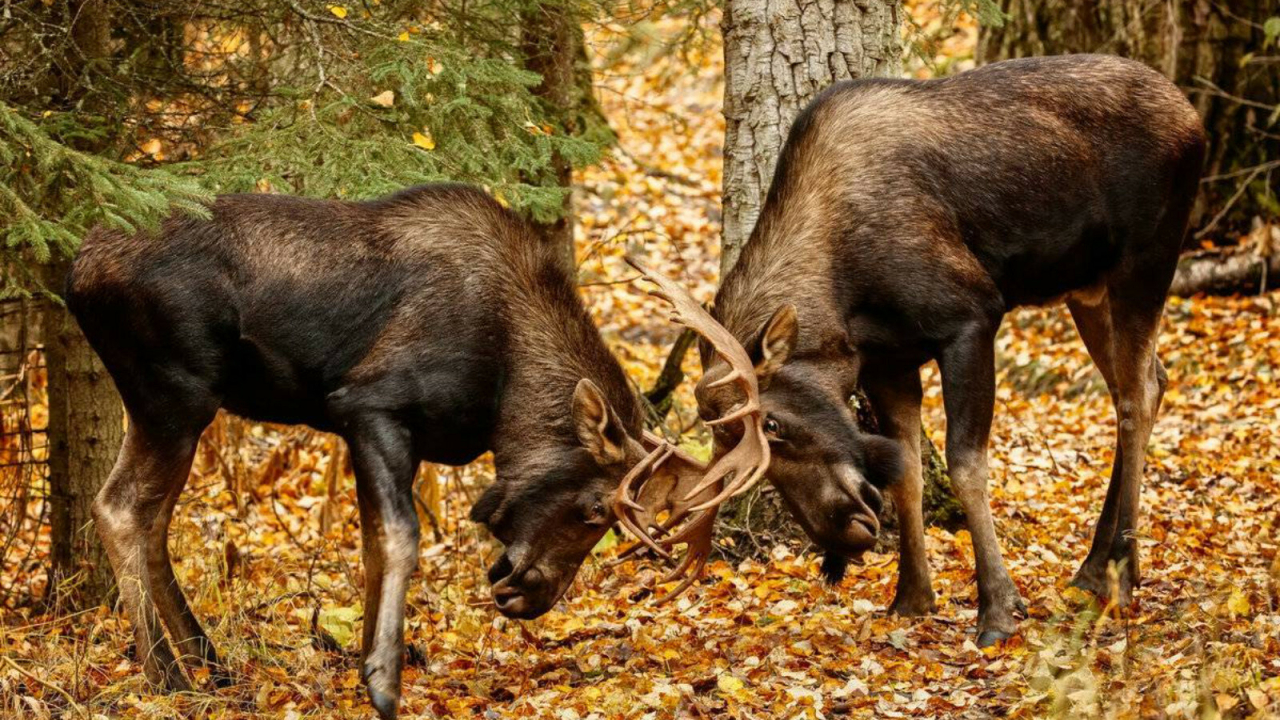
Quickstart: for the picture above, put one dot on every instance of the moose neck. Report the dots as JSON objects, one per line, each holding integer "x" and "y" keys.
{"x": 551, "y": 345}
{"x": 787, "y": 259}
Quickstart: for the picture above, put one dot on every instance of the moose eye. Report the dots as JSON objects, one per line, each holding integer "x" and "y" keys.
{"x": 772, "y": 428}
{"x": 596, "y": 515}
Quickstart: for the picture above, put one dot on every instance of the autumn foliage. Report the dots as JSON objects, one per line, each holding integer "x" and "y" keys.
{"x": 266, "y": 542}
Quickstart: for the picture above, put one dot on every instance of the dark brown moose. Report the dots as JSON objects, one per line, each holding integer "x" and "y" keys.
{"x": 431, "y": 325}
{"x": 904, "y": 220}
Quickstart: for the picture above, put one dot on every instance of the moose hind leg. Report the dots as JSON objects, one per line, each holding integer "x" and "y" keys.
{"x": 382, "y": 454}
{"x": 1140, "y": 381}
{"x": 191, "y": 640}
{"x": 968, "y": 394}
{"x": 125, "y": 511}
{"x": 1093, "y": 321}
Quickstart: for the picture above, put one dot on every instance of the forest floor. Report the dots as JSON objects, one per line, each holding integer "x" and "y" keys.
{"x": 759, "y": 639}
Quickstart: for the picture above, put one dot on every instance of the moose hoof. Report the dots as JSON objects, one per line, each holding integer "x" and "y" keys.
{"x": 1099, "y": 585}
{"x": 987, "y": 638}
{"x": 998, "y": 616}
{"x": 385, "y": 703}
{"x": 913, "y": 605}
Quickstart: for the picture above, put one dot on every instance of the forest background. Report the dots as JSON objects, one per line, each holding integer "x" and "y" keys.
{"x": 616, "y": 128}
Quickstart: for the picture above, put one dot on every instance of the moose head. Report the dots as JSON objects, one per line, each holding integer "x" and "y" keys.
{"x": 559, "y": 500}
{"x": 828, "y": 472}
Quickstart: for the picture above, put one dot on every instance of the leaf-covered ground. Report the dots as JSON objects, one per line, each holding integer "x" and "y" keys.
{"x": 759, "y": 639}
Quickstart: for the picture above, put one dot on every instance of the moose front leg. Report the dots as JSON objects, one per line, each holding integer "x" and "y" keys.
{"x": 895, "y": 398}
{"x": 968, "y": 394}
{"x": 382, "y": 455}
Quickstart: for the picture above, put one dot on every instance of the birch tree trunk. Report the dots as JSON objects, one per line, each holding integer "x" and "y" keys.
{"x": 778, "y": 55}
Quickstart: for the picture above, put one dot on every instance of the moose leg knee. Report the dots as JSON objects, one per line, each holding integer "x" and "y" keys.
{"x": 914, "y": 595}
{"x": 1140, "y": 386}
{"x": 189, "y": 637}
{"x": 384, "y": 658}
{"x": 998, "y": 598}
{"x": 132, "y": 513}
{"x": 896, "y": 401}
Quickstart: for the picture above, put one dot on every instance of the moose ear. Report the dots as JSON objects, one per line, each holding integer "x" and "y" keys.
{"x": 777, "y": 341}
{"x": 598, "y": 428}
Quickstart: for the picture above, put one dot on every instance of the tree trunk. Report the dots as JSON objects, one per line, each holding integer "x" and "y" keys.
{"x": 778, "y": 57}
{"x": 85, "y": 431}
{"x": 85, "y": 415}
{"x": 1216, "y": 51}
{"x": 552, "y": 40}
{"x": 1248, "y": 269}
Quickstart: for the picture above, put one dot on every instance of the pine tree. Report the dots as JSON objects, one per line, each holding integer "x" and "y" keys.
{"x": 121, "y": 112}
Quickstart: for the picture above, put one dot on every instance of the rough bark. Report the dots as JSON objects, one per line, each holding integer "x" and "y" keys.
{"x": 552, "y": 40}
{"x": 86, "y": 427}
{"x": 1214, "y": 50}
{"x": 778, "y": 55}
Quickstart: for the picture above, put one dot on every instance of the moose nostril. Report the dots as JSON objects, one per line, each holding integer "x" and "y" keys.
{"x": 500, "y": 569}
{"x": 510, "y": 600}
{"x": 872, "y": 497}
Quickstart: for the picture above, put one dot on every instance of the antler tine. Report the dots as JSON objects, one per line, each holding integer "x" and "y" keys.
{"x": 741, "y": 460}
{"x": 695, "y": 559}
{"x": 729, "y": 378}
{"x": 625, "y": 508}
{"x": 752, "y": 452}
{"x": 639, "y": 502}
{"x": 733, "y": 489}
{"x": 737, "y": 414}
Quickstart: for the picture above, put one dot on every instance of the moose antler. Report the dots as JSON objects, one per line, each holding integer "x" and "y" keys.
{"x": 665, "y": 478}
{"x": 681, "y": 487}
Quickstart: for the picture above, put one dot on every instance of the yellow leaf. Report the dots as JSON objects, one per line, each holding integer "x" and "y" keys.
{"x": 338, "y": 10}
{"x": 1238, "y": 604}
{"x": 729, "y": 685}
{"x": 385, "y": 99}
{"x": 404, "y": 37}
{"x": 424, "y": 140}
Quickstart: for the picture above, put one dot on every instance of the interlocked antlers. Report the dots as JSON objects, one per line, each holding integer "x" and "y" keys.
{"x": 670, "y": 481}
{"x": 664, "y": 479}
